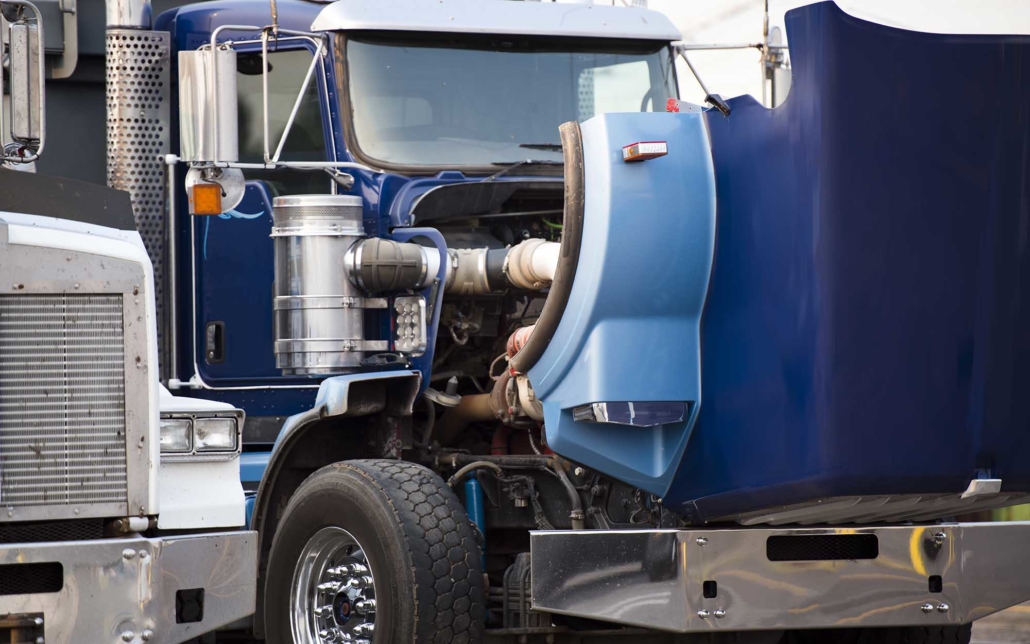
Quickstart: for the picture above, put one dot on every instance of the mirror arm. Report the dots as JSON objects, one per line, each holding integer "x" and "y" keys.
{"x": 41, "y": 98}
{"x": 296, "y": 105}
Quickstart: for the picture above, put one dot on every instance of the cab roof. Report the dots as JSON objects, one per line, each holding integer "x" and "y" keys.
{"x": 502, "y": 17}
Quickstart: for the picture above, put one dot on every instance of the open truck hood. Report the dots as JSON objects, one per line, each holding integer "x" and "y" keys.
{"x": 865, "y": 338}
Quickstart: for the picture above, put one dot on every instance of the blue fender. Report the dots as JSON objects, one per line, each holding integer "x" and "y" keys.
{"x": 629, "y": 332}
{"x": 333, "y": 399}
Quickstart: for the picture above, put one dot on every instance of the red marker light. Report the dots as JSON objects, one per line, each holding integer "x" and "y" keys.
{"x": 644, "y": 150}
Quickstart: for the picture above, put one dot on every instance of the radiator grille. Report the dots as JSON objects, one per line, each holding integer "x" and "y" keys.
{"x": 62, "y": 400}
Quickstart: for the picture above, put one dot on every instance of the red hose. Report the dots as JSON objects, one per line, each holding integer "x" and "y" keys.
{"x": 518, "y": 339}
{"x": 499, "y": 442}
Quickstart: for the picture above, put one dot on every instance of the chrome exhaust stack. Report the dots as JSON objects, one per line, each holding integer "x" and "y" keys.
{"x": 138, "y": 114}
{"x": 129, "y": 14}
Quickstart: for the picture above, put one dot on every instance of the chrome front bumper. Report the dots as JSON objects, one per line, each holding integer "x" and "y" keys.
{"x": 125, "y": 590}
{"x": 872, "y": 577}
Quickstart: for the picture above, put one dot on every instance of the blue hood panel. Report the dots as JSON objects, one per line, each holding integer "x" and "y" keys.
{"x": 867, "y": 326}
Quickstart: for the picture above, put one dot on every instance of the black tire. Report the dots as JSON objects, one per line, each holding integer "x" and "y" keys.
{"x": 912, "y": 635}
{"x": 418, "y": 540}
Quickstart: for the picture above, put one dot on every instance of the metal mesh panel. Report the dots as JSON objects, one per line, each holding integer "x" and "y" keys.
{"x": 138, "y": 73}
{"x": 45, "y": 531}
{"x": 822, "y": 547}
{"x": 62, "y": 400}
{"x": 31, "y": 578}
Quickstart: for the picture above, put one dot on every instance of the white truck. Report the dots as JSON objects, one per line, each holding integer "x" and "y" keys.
{"x": 120, "y": 507}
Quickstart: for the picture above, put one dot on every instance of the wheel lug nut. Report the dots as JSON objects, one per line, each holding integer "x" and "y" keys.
{"x": 365, "y": 629}
{"x": 364, "y": 606}
{"x": 324, "y": 611}
{"x": 359, "y": 582}
{"x": 358, "y": 569}
{"x": 329, "y": 586}
{"x": 334, "y": 635}
{"x": 339, "y": 572}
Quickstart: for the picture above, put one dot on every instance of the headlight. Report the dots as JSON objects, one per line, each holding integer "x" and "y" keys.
{"x": 198, "y": 437}
{"x": 215, "y": 434}
{"x": 176, "y": 436}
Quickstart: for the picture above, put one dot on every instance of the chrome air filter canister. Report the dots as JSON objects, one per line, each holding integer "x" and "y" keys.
{"x": 319, "y": 316}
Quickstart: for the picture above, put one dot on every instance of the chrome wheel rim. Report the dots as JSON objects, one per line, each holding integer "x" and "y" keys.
{"x": 333, "y": 596}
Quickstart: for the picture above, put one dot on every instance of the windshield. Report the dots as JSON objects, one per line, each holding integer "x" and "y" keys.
{"x": 481, "y": 101}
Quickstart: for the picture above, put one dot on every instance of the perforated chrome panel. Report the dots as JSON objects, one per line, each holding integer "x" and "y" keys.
{"x": 138, "y": 73}
{"x": 62, "y": 400}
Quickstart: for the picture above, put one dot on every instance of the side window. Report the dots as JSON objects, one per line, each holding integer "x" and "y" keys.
{"x": 306, "y": 141}
{"x": 614, "y": 84}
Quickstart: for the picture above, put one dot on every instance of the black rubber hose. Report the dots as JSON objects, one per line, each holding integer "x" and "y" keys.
{"x": 577, "y": 516}
{"x": 571, "y": 239}
{"x": 495, "y": 268}
{"x": 427, "y": 433}
{"x": 460, "y": 474}
{"x": 457, "y": 459}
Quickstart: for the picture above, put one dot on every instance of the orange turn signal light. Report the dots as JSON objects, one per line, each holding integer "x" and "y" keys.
{"x": 206, "y": 199}
{"x": 644, "y": 150}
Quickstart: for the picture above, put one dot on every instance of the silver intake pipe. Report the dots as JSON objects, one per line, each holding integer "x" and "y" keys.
{"x": 529, "y": 265}
{"x": 129, "y": 14}
{"x": 138, "y": 82}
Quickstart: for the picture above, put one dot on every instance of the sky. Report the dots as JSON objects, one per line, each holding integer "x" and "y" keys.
{"x": 735, "y": 21}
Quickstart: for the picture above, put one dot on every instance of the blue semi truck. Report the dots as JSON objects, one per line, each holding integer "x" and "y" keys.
{"x": 526, "y": 357}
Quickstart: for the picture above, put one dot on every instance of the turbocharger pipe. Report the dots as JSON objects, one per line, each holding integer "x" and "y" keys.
{"x": 529, "y": 265}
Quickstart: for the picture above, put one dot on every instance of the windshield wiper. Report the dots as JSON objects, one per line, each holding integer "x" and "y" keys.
{"x": 541, "y": 146}
{"x": 517, "y": 164}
